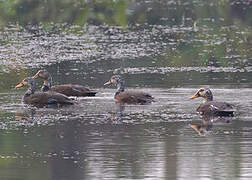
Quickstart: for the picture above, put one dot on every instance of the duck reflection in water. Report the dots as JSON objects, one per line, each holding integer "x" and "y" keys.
{"x": 207, "y": 123}
{"x": 27, "y": 114}
{"x": 117, "y": 116}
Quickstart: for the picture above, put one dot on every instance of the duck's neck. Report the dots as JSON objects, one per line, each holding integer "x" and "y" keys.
{"x": 47, "y": 84}
{"x": 120, "y": 87}
{"x": 29, "y": 92}
{"x": 207, "y": 99}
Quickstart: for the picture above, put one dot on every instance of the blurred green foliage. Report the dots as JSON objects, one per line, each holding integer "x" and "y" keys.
{"x": 205, "y": 33}
{"x": 63, "y": 11}
{"x": 124, "y": 12}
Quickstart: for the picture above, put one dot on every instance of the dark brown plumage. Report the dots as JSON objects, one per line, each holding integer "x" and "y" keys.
{"x": 210, "y": 107}
{"x": 132, "y": 97}
{"x": 73, "y": 90}
{"x": 41, "y": 99}
{"x": 66, "y": 89}
{"x": 128, "y": 97}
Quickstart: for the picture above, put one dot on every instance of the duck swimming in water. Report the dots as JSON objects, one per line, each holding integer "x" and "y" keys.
{"x": 41, "y": 99}
{"x": 211, "y": 107}
{"x": 66, "y": 89}
{"x": 128, "y": 97}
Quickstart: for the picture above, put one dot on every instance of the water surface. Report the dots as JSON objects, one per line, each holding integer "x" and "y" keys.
{"x": 167, "y": 48}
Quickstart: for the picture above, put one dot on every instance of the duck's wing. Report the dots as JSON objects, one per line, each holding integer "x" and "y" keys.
{"x": 216, "y": 108}
{"x": 73, "y": 90}
{"x": 134, "y": 97}
{"x": 50, "y": 97}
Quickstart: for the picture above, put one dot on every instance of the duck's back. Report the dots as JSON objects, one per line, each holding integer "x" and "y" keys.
{"x": 216, "y": 107}
{"x": 134, "y": 97}
{"x": 44, "y": 98}
{"x": 73, "y": 90}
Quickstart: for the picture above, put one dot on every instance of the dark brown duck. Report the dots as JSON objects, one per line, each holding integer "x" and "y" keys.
{"x": 211, "y": 107}
{"x": 66, "y": 89}
{"x": 41, "y": 99}
{"x": 128, "y": 97}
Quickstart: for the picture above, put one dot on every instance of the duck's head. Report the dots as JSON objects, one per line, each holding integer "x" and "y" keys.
{"x": 29, "y": 81}
{"x": 43, "y": 74}
{"x": 204, "y": 93}
{"x": 116, "y": 79}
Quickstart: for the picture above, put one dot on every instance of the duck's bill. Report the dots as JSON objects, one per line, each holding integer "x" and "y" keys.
{"x": 36, "y": 76}
{"x": 19, "y": 85}
{"x": 107, "y": 83}
{"x": 194, "y": 96}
